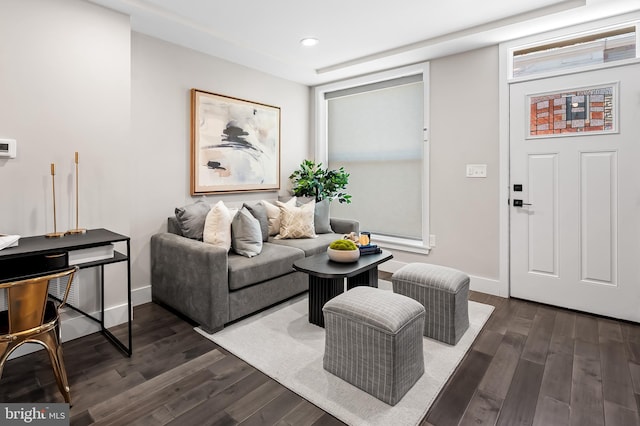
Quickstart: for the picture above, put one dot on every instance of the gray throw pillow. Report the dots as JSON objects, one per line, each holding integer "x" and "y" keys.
{"x": 246, "y": 236}
{"x": 191, "y": 219}
{"x": 321, "y": 217}
{"x": 259, "y": 211}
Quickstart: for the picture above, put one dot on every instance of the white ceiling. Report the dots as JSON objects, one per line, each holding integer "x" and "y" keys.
{"x": 356, "y": 36}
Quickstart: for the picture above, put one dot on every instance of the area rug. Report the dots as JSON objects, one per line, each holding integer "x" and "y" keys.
{"x": 281, "y": 343}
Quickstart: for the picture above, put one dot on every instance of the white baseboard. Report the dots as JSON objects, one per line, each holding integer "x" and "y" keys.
{"x": 141, "y": 295}
{"x": 75, "y": 325}
{"x": 481, "y": 284}
{"x": 391, "y": 266}
{"x": 485, "y": 285}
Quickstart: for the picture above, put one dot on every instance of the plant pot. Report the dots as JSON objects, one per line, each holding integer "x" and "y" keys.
{"x": 343, "y": 256}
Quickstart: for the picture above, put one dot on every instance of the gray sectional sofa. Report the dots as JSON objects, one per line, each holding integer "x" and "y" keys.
{"x": 214, "y": 287}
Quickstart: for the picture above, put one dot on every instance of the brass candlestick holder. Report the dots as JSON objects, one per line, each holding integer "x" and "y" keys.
{"x": 77, "y": 229}
{"x": 55, "y": 233}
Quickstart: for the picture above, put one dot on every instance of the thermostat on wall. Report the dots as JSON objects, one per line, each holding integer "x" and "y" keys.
{"x": 8, "y": 148}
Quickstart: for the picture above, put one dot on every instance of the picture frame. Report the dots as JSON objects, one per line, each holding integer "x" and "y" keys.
{"x": 581, "y": 111}
{"x": 235, "y": 144}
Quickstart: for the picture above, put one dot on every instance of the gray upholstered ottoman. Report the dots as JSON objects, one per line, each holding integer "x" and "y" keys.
{"x": 444, "y": 293}
{"x": 374, "y": 341}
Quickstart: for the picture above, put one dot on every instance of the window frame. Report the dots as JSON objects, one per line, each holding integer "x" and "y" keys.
{"x": 566, "y": 40}
{"x": 321, "y": 143}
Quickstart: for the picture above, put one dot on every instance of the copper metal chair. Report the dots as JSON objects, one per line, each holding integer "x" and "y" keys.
{"x": 33, "y": 318}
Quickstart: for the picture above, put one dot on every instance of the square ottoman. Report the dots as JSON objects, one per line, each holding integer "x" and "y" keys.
{"x": 444, "y": 293}
{"x": 374, "y": 341}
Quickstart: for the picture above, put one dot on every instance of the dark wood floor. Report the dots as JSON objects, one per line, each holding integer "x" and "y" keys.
{"x": 531, "y": 364}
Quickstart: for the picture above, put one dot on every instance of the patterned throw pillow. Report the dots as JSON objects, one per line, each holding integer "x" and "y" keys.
{"x": 296, "y": 222}
{"x": 321, "y": 215}
{"x": 273, "y": 215}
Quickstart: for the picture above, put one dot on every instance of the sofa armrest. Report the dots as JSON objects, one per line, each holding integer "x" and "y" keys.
{"x": 344, "y": 226}
{"x": 191, "y": 277}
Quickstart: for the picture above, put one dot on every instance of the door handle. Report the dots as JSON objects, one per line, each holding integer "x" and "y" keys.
{"x": 519, "y": 203}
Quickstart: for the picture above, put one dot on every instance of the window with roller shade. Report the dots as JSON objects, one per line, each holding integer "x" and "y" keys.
{"x": 376, "y": 132}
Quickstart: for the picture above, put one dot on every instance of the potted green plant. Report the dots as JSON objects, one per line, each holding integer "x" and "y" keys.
{"x": 311, "y": 180}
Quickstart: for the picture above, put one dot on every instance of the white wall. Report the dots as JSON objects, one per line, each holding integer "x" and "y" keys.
{"x": 65, "y": 87}
{"x": 74, "y": 78}
{"x": 162, "y": 76}
{"x": 464, "y": 130}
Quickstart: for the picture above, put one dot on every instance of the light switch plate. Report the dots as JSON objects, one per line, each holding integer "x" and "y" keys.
{"x": 7, "y": 148}
{"x": 477, "y": 170}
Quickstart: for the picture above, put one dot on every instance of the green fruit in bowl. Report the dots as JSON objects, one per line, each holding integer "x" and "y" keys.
{"x": 343, "y": 245}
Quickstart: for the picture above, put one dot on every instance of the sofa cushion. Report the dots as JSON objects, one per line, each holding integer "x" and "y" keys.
{"x": 259, "y": 211}
{"x": 274, "y": 261}
{"x": 321, "y": 220}
{"x": 321, "y": 217}
{"x": 246, "y": 237}
{"x": 217, "y": 226}
{"x": 310, "y": 246}
{"x": 296, "y": 222}
{"x": 173, "y": 227}
{"x": 191, "y": 219}
{"x": 273, "y": 215}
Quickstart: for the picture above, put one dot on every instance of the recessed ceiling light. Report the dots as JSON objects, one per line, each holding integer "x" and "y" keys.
{"x": 309, "y": 41}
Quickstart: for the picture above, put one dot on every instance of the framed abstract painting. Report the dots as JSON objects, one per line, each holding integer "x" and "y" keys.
{"x": 235, "y": 144}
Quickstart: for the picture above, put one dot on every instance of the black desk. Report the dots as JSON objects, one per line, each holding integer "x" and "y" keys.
{"x": 326, "y": 278}
{"x": 32, "y": 256}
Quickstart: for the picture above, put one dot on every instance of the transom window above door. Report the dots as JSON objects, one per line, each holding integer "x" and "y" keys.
{"x": 591, "y": 49}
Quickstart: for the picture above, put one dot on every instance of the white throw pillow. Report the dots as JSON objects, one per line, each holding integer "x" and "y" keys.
{"x": 296, "y": 222}
{"x": 273, "y": 215}
{"x": 217, "y": 226}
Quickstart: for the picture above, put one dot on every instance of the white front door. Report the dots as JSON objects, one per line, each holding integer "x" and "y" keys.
{"x": 575, "y": 241}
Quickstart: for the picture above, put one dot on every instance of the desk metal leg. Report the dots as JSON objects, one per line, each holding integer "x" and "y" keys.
{"x": 128, "y": 350}
{"x": 129, "y": 305}
{"x": 366, "y": 278}
{"x": 106, "y": 332}
{"x": 321, "y": 290}
{"x": 102, "y": 327}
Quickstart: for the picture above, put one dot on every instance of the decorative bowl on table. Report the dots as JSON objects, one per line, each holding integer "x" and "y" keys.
{"x": 344, "y": 251}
